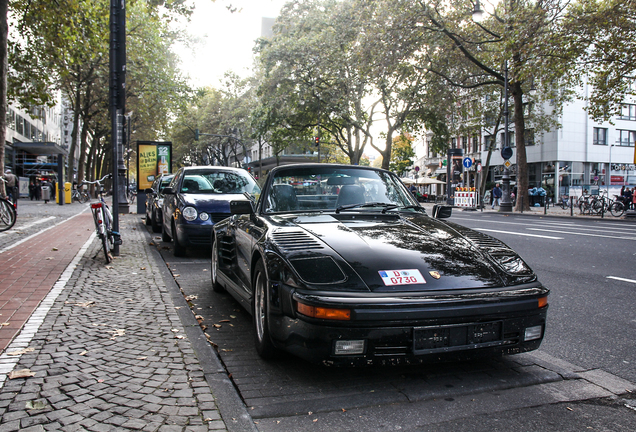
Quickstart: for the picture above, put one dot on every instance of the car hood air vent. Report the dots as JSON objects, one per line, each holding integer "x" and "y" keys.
{"x": 295, "y": 240}
{"x": 484, "y": 241}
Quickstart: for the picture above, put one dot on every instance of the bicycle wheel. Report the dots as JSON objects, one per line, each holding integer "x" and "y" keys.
{"x": 7, "y": 215}
{"x": 617, "y": 209}
{"x": 99, "y": 217}
{"x": 84, "y": 198}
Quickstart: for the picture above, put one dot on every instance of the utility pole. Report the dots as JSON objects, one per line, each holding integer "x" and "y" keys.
{"x": 117, "y": 107}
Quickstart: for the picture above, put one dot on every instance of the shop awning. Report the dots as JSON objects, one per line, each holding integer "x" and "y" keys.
{"x": 40, "y": 148}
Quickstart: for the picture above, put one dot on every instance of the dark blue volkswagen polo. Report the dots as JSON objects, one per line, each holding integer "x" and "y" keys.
{"x": 197, "y": 198}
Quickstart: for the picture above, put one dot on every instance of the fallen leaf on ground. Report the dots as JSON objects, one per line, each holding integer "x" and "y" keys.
{"x": 225, "y": 320}
{"x": 142, "y": 268}
{"x": 118, "y": 332}
{"x": 177, "y": 275}
{"x": 21, "y": 351}
{"x": 83, "y": 353}
{"x": 5, "y": 324}
{"x": 22, "y": 373}
{"x": 89, "y": 303}
{"x": 175, "y": 330}
{"x": 55, "y": 249}
{"x": 191, "y": 297}
{"x": 217, "y": 325}
{"x": 35, "y": 405}
{"x": 141, "y": 358}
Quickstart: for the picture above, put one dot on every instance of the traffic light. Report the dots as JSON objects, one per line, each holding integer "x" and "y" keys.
{"x": 196, "y": 134}
{"x": 317, "y": 141}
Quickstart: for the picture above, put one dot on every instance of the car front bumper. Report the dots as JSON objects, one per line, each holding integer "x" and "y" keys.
{"x": 193, "y": 235}
{"x": 395, "y": 334}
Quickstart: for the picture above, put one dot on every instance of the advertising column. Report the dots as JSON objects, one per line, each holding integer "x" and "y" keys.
{"x": 154, "y": 159}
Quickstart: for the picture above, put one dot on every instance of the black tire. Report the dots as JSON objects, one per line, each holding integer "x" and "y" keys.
{"x": 178, "y": 249}
{"x": 7, "y": 215}
{"x": 617, "y": 209}
{"x": 102, "y": 233}
{"x": 214, "y": 267}
{"x": 148, "y": 220}
{"x": 164, "y": 235}
{"x": 156, "y": 228}
{"x": 84, "y": 198}
{"x": 260, "y": 314}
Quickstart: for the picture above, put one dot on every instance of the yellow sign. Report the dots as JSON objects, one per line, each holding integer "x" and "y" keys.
{"x": 507, "y": 163}
{"x": 147, "y": 165}
{"x": 154, "y": 158}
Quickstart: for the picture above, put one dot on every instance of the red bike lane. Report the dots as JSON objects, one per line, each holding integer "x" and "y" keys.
{"x": 29, "y": 270}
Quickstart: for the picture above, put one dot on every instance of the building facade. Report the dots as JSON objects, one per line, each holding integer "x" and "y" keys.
{"x": 580, "y": 155}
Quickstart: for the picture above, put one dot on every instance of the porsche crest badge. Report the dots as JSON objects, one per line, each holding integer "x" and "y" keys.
{"x": 435, "y": 274}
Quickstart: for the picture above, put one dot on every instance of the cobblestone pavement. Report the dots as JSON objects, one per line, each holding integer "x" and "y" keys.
{"x": 111, "y": 354}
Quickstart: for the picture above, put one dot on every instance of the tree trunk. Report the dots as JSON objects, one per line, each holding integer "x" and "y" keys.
{"x": 71, "y": 151}
{"x": 522, "y": 160}
{"x": 4, "y": 32}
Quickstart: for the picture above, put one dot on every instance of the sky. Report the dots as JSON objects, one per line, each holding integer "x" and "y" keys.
{"x": 226, "y": 39}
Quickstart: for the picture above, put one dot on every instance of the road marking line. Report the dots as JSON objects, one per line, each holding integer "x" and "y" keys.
{"x": 518, "y": 233}
{"x": 621, "y": 279}
{"x": 546, "y": 223}
{"x": 583, "y": 234}
{"x": 39, "y": 232}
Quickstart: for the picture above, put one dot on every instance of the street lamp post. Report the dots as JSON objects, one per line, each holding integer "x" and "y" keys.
{"x": 506, "y": 153}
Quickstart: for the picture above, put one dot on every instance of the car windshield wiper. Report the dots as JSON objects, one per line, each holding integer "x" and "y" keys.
{"x": 413, "y": 206}
{"x": 385, "y": 206}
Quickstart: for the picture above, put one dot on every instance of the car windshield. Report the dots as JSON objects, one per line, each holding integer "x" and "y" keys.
{"x": 218, "y": 182}
{"x": 336, "y": 189}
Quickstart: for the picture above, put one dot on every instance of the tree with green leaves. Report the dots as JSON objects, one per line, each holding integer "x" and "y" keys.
{"x": 69, "y": 51}
{"x": 311, "y": 79}
{"x": 603, "y": 31}
{"x": 526, "y": 36}
{"x": 402, "y": 154}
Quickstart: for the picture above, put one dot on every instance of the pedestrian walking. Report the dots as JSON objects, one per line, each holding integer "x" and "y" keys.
{"x": 496, "y": 195}
{"x": 11, "y": 185}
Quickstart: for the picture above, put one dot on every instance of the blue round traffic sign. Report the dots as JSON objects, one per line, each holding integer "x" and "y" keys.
{"x": 468, "y": 162}
{"x": 506, "y": 153}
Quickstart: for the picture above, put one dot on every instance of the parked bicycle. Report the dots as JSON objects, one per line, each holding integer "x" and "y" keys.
{"x": 565, "y": 203}
{"x": 616, "y": 207}
{"x": 103, "y": 220}
{"x": 81, "y": 196}
{"x": 8, "y": 213}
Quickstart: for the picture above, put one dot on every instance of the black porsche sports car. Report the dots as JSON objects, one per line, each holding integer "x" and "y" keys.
{"x": 340, "y": 264}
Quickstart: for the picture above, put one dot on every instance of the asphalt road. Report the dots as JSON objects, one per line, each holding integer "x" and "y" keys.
{"x": 578, "y": 380}
{"x": 590, "y": 268}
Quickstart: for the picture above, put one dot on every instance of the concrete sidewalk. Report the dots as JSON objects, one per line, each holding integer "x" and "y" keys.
{"x": 112, "y": 347}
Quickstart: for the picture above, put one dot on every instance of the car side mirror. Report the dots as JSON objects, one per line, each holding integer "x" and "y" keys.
{"x": 149, "y": 190}
{"x": 241, "y": 207}
{"x": 442, "y": 211}
{"x": 168, "y": 191}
